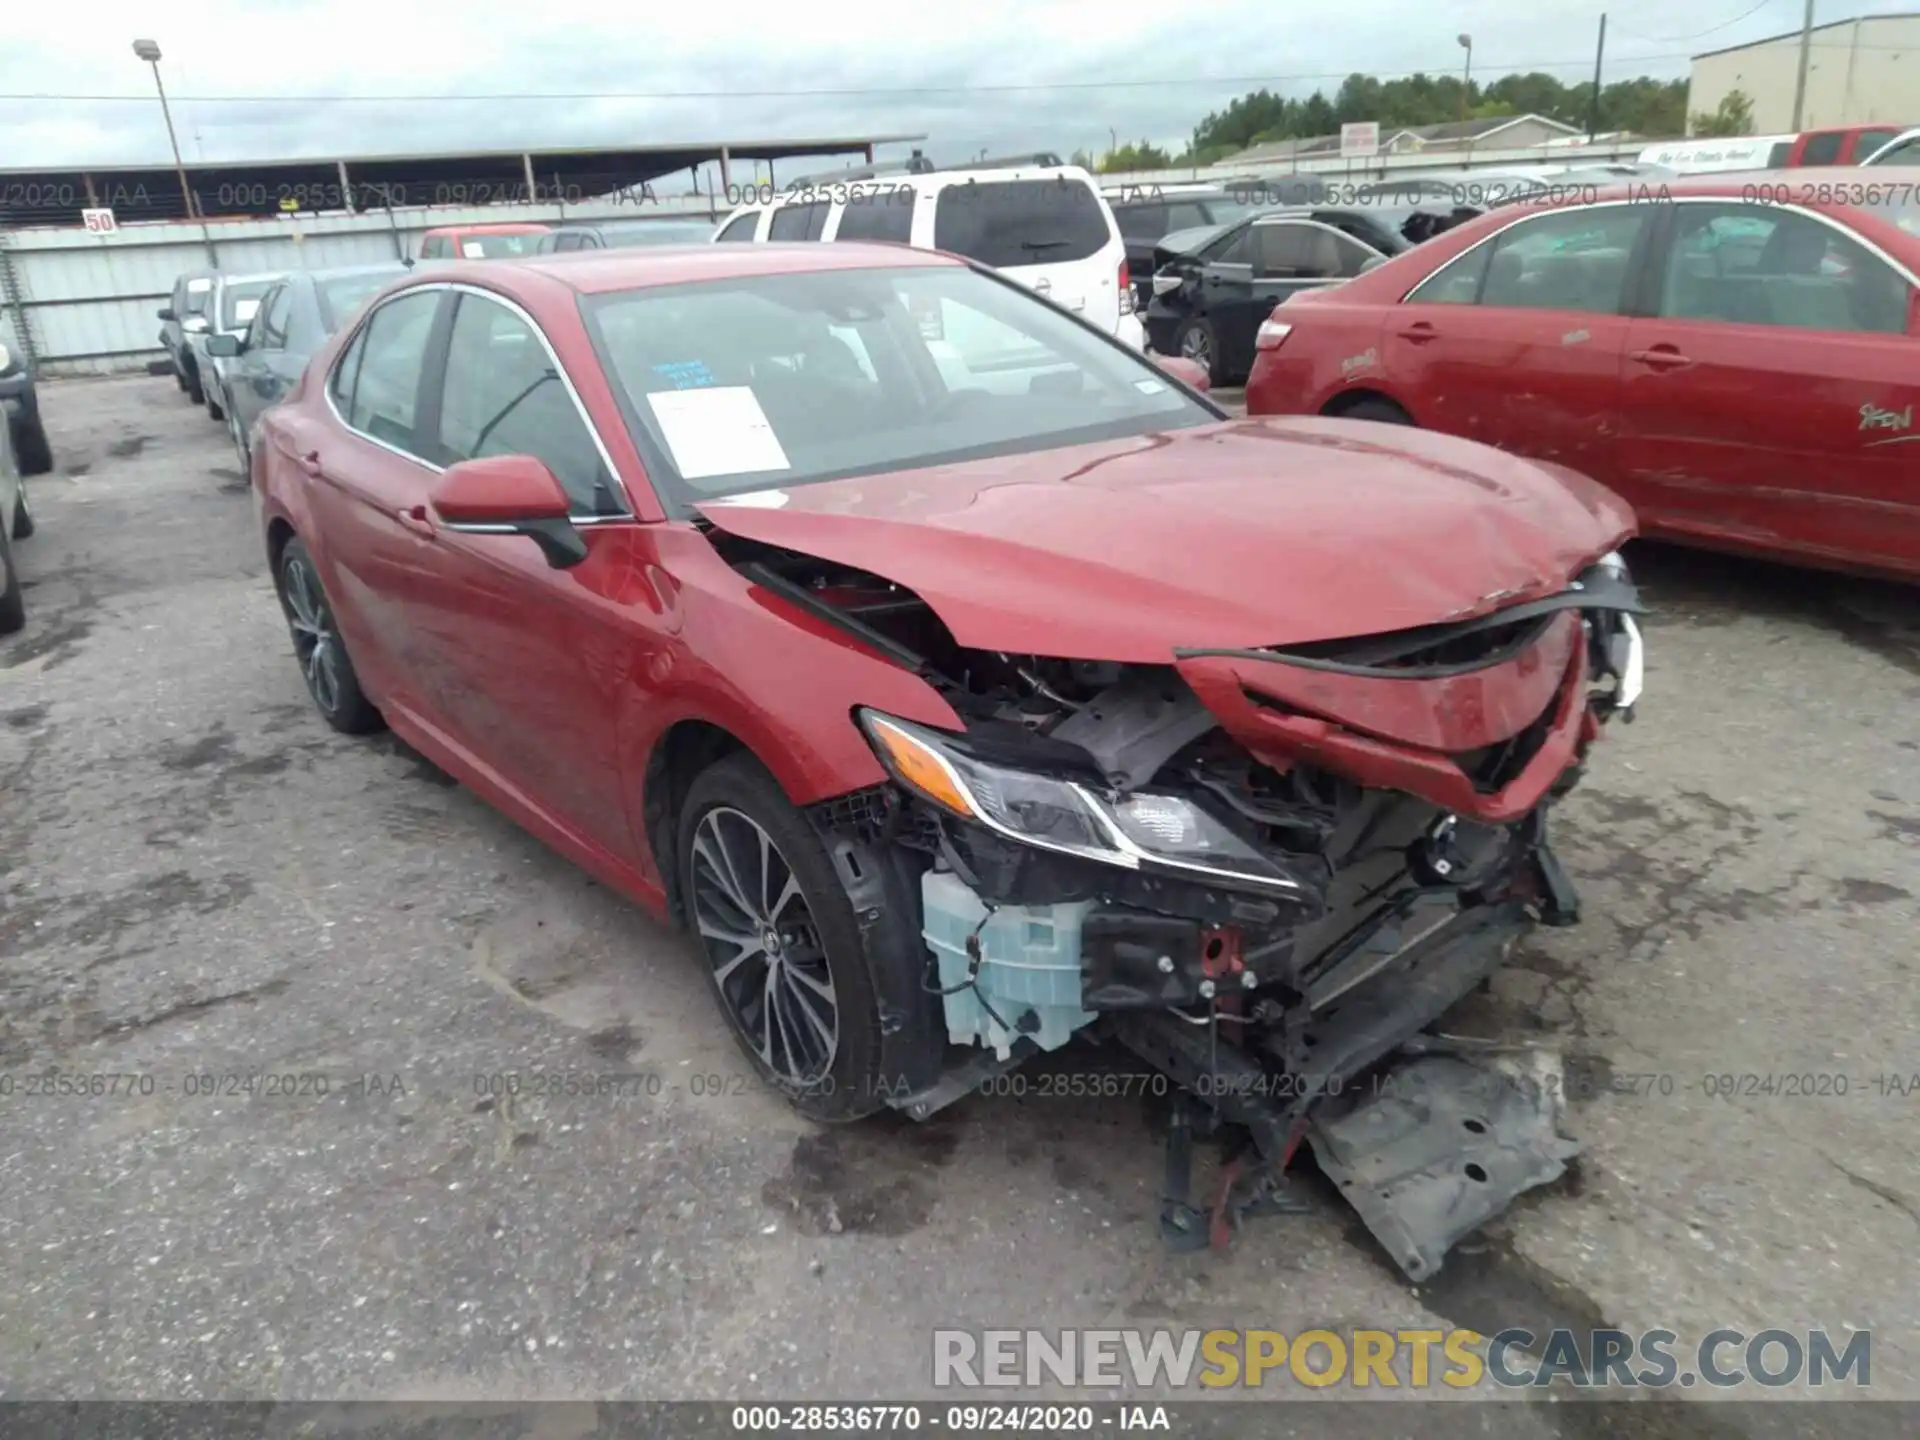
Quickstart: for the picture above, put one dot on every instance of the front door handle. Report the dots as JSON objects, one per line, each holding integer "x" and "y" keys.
{"x": 1660, "y": 357}
{"x": 310, "y": 462}
{"x": 1420, "y": 332}
{"x": 416, "y": 519}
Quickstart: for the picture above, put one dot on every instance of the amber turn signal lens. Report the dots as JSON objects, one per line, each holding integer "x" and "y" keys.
{"x": 916, "y": 764}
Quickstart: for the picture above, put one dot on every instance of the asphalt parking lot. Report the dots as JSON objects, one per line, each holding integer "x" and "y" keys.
{"x": 199, "y": 879}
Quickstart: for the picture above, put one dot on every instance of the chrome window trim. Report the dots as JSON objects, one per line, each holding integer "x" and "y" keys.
{"x": 463, "y": 287}
{"x": 1735, "y": 201}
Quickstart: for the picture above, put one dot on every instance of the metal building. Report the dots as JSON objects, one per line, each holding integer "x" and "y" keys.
{"x": 1858, "y": 71}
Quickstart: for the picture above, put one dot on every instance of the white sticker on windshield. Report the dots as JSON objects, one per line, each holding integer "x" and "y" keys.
{"x": 473, "y": 249}
{"x": 1148, "y": 387}
{"x": 720, "y": 430}
{"x": 243, "y": 310}
{"x": 194, "y": 287}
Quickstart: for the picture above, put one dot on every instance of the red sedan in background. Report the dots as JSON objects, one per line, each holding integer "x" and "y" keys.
{"x": 1738, "y": 357}
{"x": 963, "y": 686}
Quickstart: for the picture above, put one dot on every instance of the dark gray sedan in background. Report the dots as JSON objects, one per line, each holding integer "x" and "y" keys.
{"x": 620, "y": 234}
{"x": 294, "y": 319}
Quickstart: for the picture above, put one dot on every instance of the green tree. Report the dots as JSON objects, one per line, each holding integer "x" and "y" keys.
{"x": 1135, "y": 157}
{"x": 1733, "y": 116}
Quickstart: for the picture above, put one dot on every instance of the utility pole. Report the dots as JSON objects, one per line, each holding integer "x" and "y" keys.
{"x": 1800, "y": 80}
{"x": 1466, "y": 76}
{"x": 1593, "y": 102}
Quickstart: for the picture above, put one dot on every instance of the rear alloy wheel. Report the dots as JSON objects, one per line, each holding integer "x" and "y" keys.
{"x": 783, "y": 952}
{"x": 1196, "y": 342}
{"x": 317, "y": 645}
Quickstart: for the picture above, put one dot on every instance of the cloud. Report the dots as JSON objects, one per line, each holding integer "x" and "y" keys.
{"x": 952, "y": 71}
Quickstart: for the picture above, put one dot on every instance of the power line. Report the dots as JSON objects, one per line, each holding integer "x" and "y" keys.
{"x": 1699, "y": 34}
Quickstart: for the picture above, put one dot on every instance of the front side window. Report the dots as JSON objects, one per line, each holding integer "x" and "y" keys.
{"x": 435, "y": 248}
{"x": 1907, "y": 152}
{"x": 504, "y": 396}
{"x": 1768, "y": 265}
{"x": 269, "y": 327}
{"x": 1573, "y": 259}
{"x": 781, "y": 380}
{"x": 199, "y": 296}
{"x": 392, "y": 345}
{"x": 739, "y": 228}
{"x": 1020, "y": 222}
{"x": 1233, "y": 248}
{"x": 1869, "y": 141}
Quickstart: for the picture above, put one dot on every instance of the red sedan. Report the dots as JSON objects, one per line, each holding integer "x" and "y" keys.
{"x": 1738, "y": 357}
{"x": 962, "y": 679}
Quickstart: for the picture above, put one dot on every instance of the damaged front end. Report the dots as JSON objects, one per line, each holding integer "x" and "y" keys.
{"x": 1268, "y": 873}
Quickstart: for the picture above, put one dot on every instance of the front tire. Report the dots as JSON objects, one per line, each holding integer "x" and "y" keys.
{"x": 215, "y": 411}
{"x": 194, "y": 392}
{"x": 30, "y": 448}
{"x": 1383, "y": 411}
{"x": 782, "y": 948}
{"x": 241, "y": 449}
{"x": 319, "y": 647}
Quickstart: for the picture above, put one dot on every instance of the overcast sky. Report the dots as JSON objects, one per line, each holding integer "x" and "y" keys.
{"x": 936, "y": 63}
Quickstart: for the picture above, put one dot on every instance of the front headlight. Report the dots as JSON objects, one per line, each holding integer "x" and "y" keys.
{"x": 1141, "y": 830}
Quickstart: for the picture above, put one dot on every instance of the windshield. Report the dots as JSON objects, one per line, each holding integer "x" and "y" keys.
{"x": 783, "y": 380}
{"x": 493, "y": 246}
{"x": 341, "y": 296}
{"x": 239, "y": 299}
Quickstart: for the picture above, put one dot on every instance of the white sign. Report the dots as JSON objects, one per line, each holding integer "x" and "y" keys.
{"x": 1361, "y": 138}
{"x": 99, "y": 222}
{"x": 719, "y": 430}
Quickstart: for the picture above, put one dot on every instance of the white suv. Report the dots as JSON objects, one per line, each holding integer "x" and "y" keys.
{"x": 1046, "y": 226}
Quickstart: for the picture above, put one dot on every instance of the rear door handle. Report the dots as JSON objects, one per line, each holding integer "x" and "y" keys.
{"x": 1660, "y": 357}
{"x": 416, "y": 519}
{"x": 1420, "y": 332}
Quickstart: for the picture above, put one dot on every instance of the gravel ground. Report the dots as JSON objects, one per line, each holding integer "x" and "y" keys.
{"x": 198, "y": 879}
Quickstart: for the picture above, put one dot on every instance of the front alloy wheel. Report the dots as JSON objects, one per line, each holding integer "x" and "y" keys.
{"x": 768, "y": 962}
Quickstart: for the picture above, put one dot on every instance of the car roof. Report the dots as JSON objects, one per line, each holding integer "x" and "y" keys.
{"x": 492, "y": 227}
{"x": 593, "y": 272}
{"x": 1797, "y": 181}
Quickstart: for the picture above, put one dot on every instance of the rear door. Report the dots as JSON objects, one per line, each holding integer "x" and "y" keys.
{"x": 1055, "y": 236}
{"x": 1517, "y": 341}
{"x": 1773, "y": 399}
{"x": 369, "y": 477}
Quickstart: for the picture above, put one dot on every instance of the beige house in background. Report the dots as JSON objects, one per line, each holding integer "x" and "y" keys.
{"x": 1858, "y": 71}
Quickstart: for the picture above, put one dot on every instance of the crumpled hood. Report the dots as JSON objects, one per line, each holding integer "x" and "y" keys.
{"x": 1255, "y": 532}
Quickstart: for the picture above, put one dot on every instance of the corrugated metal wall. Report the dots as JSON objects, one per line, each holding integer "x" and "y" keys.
{"x": 82, "y": 304}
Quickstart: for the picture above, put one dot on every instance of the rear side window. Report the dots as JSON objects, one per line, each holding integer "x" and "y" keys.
{"x": 1146, "y": 221}
{"x": 1306, "y": 252}
{"x": 1778, "y": 156}
{"x": 387, "y": 358}
{"x": 799, "y": 222}
{"x": 1020, "y": 222}
{"x": 1822, "y": 149}
{"x": 739, "y": 228}
{"x": 885, "y": 216}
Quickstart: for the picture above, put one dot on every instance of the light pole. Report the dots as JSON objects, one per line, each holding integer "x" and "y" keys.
{"x": 1466, "y": 76}
{"x": 149, "y": 51}
{"x": 1800, "y": 75}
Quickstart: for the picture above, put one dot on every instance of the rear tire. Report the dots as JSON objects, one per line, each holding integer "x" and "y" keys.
{"x": 192, "y": 387}
{"x": 30, "y": 448}
{"x": 23, "y": 525}
{"x": 319, "y": 647}
{"x": 215, "y": 411}
{"x": 1384, "y": 411}
{"x": 13, "y": 604}
{"x": 1195, "y": 340}
{"x": 752, "y": 867}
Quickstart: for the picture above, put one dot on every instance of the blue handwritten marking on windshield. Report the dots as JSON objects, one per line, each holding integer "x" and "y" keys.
{"x": 685, "y": 374}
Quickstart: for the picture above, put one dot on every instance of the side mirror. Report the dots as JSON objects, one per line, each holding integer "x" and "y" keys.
{"x": 1187, "y": 372}
{"x": 510, "y": 495}
{"x": 225, "y": 346}
{"x": 166, "y": 313}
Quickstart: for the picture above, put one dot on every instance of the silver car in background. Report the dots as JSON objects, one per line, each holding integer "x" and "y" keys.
{"x": 230, "y": 312}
